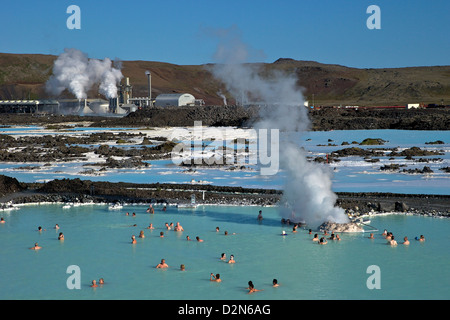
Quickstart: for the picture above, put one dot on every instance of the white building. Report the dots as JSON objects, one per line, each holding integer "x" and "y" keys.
{"x": 413, "y": 105}
{"x": 175, "y": 99}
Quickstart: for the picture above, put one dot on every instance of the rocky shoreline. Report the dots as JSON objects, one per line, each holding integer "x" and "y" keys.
{"x": 321, "y": 120}
{"x": 14, "y": 192}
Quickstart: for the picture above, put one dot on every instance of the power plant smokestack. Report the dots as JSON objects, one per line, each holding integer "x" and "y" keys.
{"x": 149, "y": 76}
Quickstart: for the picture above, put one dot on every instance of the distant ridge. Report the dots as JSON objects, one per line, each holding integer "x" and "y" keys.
{"x": 22, "y": 76}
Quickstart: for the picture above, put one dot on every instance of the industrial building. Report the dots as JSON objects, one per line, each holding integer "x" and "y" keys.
{"x": 29, "y": 106}
{"x": 175, "y": 99}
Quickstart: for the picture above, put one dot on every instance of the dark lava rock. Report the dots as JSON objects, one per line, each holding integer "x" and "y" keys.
{"x": 9, "y": 185}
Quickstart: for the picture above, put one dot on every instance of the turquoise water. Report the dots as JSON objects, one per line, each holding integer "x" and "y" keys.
{"x": 98, "y": 241}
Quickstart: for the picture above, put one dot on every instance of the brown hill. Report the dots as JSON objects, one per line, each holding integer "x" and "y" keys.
{"x": 22, "y": 76}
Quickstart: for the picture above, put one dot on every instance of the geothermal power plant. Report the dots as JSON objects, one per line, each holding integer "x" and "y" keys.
{"x": 120, "y": 105}
{"x": 74, "y": 72}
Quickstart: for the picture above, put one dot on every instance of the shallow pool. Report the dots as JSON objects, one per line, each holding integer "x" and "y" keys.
{"x": 98, "y": 241}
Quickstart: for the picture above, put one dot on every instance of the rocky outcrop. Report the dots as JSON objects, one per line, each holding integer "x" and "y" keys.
{"x": 9, "y": 185}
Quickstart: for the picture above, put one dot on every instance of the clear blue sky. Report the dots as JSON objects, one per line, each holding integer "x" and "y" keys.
{"x": 413, "y": 32}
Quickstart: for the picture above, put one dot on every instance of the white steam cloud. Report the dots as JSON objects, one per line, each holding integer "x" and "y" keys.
{"x": 307, "y": 194}
{"x": 73, "y": 70}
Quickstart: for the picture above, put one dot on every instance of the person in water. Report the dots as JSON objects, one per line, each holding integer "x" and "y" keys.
{"x": 178, "y": 227}
{"x": 392, "y": 241}
{"x": 36, "y": 247}
{"x": 215, "y": 277}
{"x": 260, "y": 217}
{"x": 421, "y": 239}
{"x": 150, "y": 226}
{"x": 275, "y": 283}
{"x": 316, "y": 237}
{"x": 405, "y": 241}
{"x": 198, "y": 239}
{"x": 371, "y": 236}
{"x": 94, "y": 284}
{"x": 133, "y": 239}
{"x": 231, "y": 259}
{"x": 162, "y": 264}
{"x": 323, "y": 241}
{"x": 251, "y": 288}
{"x": 61, "y": 236}
{"x": 141, "y": 234}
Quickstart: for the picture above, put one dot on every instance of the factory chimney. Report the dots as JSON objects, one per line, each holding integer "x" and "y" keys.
{"x": 149, "y": 76}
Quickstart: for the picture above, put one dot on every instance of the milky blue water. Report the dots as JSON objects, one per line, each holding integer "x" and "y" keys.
{"x": 98, "y": 241}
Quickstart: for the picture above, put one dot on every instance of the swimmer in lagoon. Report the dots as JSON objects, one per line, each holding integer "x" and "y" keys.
{"x": 182, "y": 267}
{"x": 275, "y": 283}
{"x": 251, "y": 288}
{"x": 2, "y": 220}
{"x": 162, "y": 264}
{"x": 422, "y": 238}
{"x": 178, "y": 227}
{"x": 188, "y": 238}
{"x": 316, "y": 237}
{"x": 133, "y": 239}
{"x": 232, "y": 259}
{"x": 392, "y": 241}
{"x": 260, "y": 217}
{"x": 94, "y": 284}
{"x": 323, "y": 241}
{"x": 36, "y": 247}
{"x": 101, "y": 281}
{"x": 161, "y": 234}
{"x": 198, "y": 239}
{"x": 61, "y": 236}
{"x": 371, "y": 236}
{"x": 141, "y": 234}
{"x": 215, "y": 278}
{"x": 405, "y": 241}
{"x": 223, "y": 256}
{"x": 150, "y": 226}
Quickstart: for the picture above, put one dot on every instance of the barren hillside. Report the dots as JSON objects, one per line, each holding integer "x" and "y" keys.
{"x": 22, "y": 76}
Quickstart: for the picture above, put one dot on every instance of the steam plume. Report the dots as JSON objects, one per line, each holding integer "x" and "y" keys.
{"x": 73, "y": 70}
{"x": 307, "y": 192}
